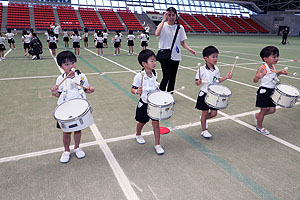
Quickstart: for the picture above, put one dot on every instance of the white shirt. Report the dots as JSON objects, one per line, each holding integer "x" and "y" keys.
{"x": 149, "y": 84}
{"x": 70, "y": 90}
{"x": 76, "y": 38}
{"x": 56, "y": 30}
{"x": 131, "y": 37}
{"x": 2, "y": 40}
{"x": 86, "y": 35}
{"x": 143, "y": 37}
{"x": 66, "y": 34}
{"x": 9, "y": 35}
{"x": 147, "y": 29}
{"x": 100, "y": 39}
{"x": 166, "y": 38}
{"x": 95, "y": 35}
{"x": 117, "y": 38}
{"x": 52, "y": 39}
{"x": 208, "y": 77}
{"x": 26, "y": 38}
{"x": 105, "y": 35}
{"x": 270, "y": 79}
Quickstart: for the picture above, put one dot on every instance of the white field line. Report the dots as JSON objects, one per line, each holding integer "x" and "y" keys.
{"x": 127, "y": 137}
{"x": 118, "y": 171}
{"x": 226, "y": 115}
{"x": 7, "y": 52}
{"x": 155, "y": 196}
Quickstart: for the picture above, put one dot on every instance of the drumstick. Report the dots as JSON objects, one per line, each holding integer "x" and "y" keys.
{"x": 72, "y": 81}
{"x": 199, "y": 65}
{"x": 142, "y": 79}
{"x": 182, "y": 88}
{"x": 72, "y": 70}
{"x": 234, "y": 64}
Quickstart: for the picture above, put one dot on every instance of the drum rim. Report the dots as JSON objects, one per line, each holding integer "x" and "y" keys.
{"x": 160, "y": 106}
{"x": 75, "y": 118}
{"x": 281, "y": 92}
{"x": 220, "y": 95}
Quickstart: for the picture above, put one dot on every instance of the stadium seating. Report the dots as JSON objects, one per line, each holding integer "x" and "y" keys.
{"x": 152, "y": 12}
{"x": 193, "y": 22}
{"x": 224, "y": 27}
{"x": 0, "y": 13}
{"x": 208, "y": 24}
{"x": 18, "y": 16}
{"x": 255, "y": 25}
{"x": 90, "y": 19}
{"x": 43, "y": 16}
{"x": 111, "y": 20}
{"x": 130, "y": 20}
{"x": 67, "y": 17}
{"x": 235, "y": 26}
{"x": 186, "y": 27}
{"x": 245, "y": 25}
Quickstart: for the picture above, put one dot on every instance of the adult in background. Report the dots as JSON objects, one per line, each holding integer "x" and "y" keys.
{"x": 285, "y": 33}
{"x": 166, "y": 30}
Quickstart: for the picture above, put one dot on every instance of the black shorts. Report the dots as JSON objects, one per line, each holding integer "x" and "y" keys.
{"x": 201, "y": 104}
{"x": 76, "y": 45}
{"x": 130, "y": 43}
{"x": 105, "y": 40}
{"x": 86, "y": 39}
{"x": 26, "y": 46}
{"x": 11, "y": 41}
{"x": 66, "y": 39}
{"x": 52, "y": 45}
{"x": 99, "y": 45}
{"x": 2, "y": 47}
{"x": 56, "y": 35}
{"x": 141, "y": 112}
{"x": 117, "y": 44}
{"x": 263, "y": 97}
{"x": 144, "y": 44}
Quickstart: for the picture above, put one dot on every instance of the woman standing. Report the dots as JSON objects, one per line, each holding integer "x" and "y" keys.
{"x": 166, "y": 30}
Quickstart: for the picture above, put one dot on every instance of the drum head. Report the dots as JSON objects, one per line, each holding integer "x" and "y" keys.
{"x": 220, "y": 89}
{"x": 160, "y": 98}
{"x": 288, "y": 89}
{"x": 71, "y": 109}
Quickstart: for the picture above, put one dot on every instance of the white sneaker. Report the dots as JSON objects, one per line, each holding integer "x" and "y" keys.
{"x": 101, "y": 55}
{"x": 129, "y": 54}
{"x": 206, "y": 134}
{"x": 114, "y": 54}
{"x": 263, "y": 131}
{"x": 255, "y": 119}
{"x": 159, "y": 150}
{"x": 118, "y": 54}
{"x": 97, "y": 55}
{"x": 33, "y": 57}
{"x": 65, "y": 157}
{"x": 3, "y": 58}
{"x": 79, "y": 153}
{"x": 140, "y": 139}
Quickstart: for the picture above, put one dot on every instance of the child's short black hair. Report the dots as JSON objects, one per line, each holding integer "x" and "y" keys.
{"x": 9, "y": 30}
{"x": 144, "y": 55}
{"x": 207, "y": 51}
{"x": 65, "y": 56}
{"x": 86, "y": 30}
{"x": 130, "y": 31}
{"x": 65, "y": 29}
{"x": 268, "y": 51}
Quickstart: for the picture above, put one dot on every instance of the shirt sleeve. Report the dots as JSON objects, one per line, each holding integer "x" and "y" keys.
{"x": 84, "y": 81}
{"x": 58, "y": 80}
{"x": 182, "y": 34}
{"x": 137, "y": 80}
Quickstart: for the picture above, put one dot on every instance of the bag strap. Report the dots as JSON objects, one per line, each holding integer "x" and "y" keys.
{"x": 175, "y": 36}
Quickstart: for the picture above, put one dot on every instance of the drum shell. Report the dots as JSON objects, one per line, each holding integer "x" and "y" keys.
{"x": 77, "y": 123}
{"x": 215, "y": 100}
{"x": 282, "y": 99}
{"x": 160, "y": 112}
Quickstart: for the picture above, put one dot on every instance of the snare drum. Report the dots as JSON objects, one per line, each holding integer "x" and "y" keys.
{"x": 74, "y": 115}
{"x": 285, "y": 95}
{"x": 160, "y": 105}
{"x": 218, "y": 96}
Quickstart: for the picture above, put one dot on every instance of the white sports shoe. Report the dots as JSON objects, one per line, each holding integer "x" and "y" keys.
{"x": 33, "y": 57}
{"x": 263, "y": 131}
{"x": 206, "y": 134}
{"x": 79, "y": 153}
{"x": 140, "y": 139}
{"x": 65, "y": 157}
{"x": 159, "y": 150}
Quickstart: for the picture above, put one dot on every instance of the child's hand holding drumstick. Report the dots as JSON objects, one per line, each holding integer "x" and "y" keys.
{"x": 199, "y": 81}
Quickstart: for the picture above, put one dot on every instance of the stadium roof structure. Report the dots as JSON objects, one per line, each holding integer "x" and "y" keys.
{"x": 262, "y": 6}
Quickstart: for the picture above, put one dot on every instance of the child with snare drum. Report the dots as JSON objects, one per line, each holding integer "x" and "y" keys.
{"x": 267, "y": 75}
{"x": 143, "y": 84}
{"x": 209, "y": 74}
{"x": 68, "y": 91}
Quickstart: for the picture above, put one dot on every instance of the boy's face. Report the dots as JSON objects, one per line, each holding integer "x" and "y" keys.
{"x": 67, "y": 66}
{"x": 212, "y": 59}
{"x": 150, "y": 64}
{"x": 272, "y": 59}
